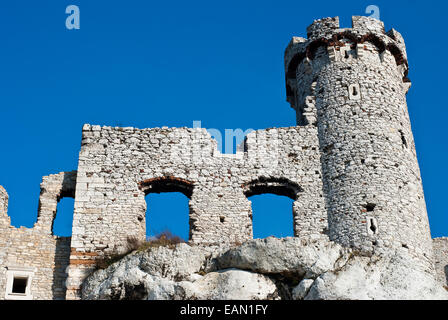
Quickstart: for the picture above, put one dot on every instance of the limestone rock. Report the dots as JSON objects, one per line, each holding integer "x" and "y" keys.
{"x": 231, "y": 284}
{"x": 299, "y": 292}
{"x": 283, "y": 256}
{"x": 119, "y": 283}
{"x": 391, "y": 276}
{"x": 176, "y": 263}
{"x": 264, "y": 269}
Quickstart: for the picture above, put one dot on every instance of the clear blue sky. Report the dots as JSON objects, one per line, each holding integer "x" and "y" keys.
{"x": 156, "y": 63}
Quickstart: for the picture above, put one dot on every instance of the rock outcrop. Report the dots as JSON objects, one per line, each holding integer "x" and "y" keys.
{"x": 271, "y": 268}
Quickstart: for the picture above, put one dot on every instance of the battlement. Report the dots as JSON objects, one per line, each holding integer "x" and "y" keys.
{"x": 327, "y": 30}
{"x": 187, "y": 146}
{"x": 328, "y": 34}
{"x": 322, "y": 28}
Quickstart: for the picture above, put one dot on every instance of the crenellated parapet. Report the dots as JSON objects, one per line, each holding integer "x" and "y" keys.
{"x": 366, "y": 40}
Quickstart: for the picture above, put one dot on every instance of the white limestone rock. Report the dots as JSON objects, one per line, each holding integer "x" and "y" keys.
{"x": 391, "y": 276}
{"x": 264, "y": 269}
{"x": 299, "y": 292}
{"x": 173, "y": 263}
{"x": 228, "y": 284}
{"x": 283, "y": 256}
{"x": 231, "y": 284}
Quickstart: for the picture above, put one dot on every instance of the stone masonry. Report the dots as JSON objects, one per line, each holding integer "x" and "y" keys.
{"x": 119, "y": 166}
{"x": 350, "y": 166}
{"x": 352, "y": 85}
{"x": 441, "y": 259}
{"x": 37, "y": 249}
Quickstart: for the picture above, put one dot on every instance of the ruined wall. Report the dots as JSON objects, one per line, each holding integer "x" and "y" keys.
{"x": 352, "y": 84}
{"x": 37, "y": 248}
{"x": 119, "y": 166}
{"x": 441, "y": 259}
{"x": 3, "y": 203}
{"x": 350, "y": 166}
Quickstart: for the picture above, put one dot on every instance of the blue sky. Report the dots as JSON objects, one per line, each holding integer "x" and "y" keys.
{"x": 156, "y": 63}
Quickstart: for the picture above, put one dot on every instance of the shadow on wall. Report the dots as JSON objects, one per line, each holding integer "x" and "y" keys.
{"x": 61, "y": 262}
{"x": 446, "y": 274}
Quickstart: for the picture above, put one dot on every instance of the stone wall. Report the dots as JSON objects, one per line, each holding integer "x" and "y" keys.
{"x": 37, "y": 248}
{"x": 119, "y": 166}
{"x": 441, "y": 259}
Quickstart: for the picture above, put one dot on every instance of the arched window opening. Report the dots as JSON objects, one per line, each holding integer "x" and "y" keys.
{"x": 62, "y": 224}
{"x": 272, "y": 206}
{"x": 167, "y": 206}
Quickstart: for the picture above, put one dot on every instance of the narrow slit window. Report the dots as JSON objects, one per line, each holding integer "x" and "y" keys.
{"x": 372, "y": 226}
{"x": 403, "y": 139}
{"x": 354, "y": 92}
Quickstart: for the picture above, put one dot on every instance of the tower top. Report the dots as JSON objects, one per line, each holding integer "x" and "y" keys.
{"x": 327, "y": 32}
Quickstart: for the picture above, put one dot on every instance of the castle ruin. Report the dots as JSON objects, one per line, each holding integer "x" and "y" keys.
{"x": 350, "y": 165}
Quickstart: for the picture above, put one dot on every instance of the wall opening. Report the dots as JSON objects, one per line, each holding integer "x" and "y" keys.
{"x": 272, "y": 216}
{"x": 167, "y": 206}
{"x": 403, "y": 139}
{"x": 62, "y": 224}
{"x": 19, "y": 285}
{"x": 354, "y": 92}
{"x": 372, "y": 226}
{"x": 272, "y": 206}
{"x": 370, "y": 207}
{"x": 167, "y": 212}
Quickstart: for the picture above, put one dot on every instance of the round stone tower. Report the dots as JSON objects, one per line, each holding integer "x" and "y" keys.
{"x": 352, "y": 84}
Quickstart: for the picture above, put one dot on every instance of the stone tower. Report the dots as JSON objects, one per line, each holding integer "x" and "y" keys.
{"x": 351, "y": 84}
